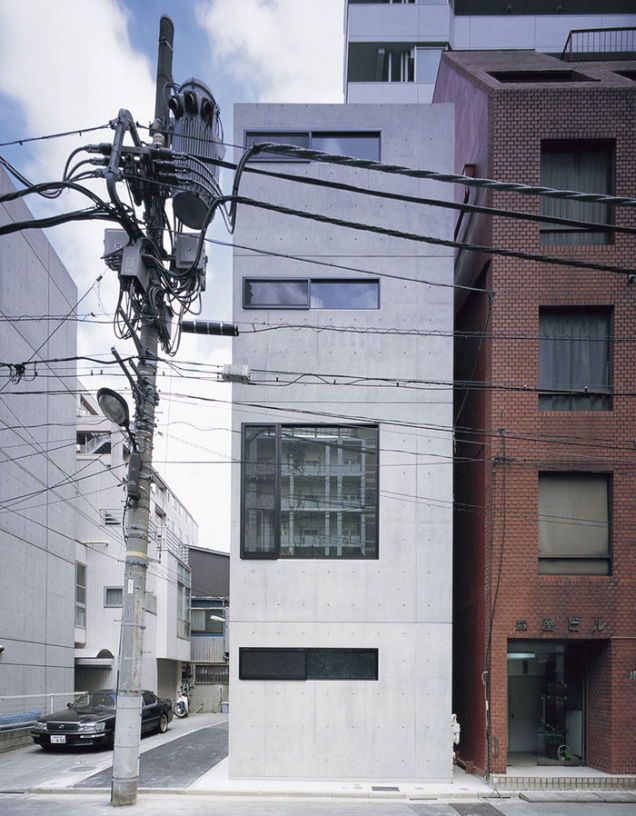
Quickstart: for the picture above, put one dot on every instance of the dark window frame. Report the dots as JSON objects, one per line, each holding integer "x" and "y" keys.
{"x": 275, "y": 553}
{"x": 573, "y": 558}
{"x": 252, "y": 136}
{"x": 303, "y": 658}
{"x": 309, "y": 282}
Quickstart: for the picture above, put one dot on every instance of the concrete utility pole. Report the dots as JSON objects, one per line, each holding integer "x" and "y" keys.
{"x": 128, "y": 719}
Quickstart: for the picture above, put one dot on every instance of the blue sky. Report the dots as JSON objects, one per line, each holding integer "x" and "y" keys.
{"x": 71, "y": 64}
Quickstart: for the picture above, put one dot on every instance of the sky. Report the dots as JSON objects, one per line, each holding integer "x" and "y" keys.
{"x": 70, "y": 65}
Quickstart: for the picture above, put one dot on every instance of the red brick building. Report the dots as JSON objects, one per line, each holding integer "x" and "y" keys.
{"x": 545, "y": 479}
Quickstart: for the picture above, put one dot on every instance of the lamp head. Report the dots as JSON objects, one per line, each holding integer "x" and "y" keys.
{"x": 114, "y": 407}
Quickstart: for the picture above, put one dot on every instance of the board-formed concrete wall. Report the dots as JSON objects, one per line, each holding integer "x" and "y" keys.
{"x": 398, "y": 726}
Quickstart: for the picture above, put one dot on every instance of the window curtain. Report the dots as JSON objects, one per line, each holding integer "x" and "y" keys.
{"x": 573, "y": 523}
{"x": 574, "y": 350}
{"x": 583, "y": 170}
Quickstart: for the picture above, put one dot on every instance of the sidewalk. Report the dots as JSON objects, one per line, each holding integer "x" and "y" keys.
{"x": 191, "y": 759}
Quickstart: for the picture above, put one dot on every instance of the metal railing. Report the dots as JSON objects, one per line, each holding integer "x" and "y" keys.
{"x": 21, "y": 710}
{"x": 597, "y": 42}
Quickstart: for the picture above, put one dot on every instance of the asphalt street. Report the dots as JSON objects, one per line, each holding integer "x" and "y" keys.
{"x": 80, "y": 804}
{"x": 185, "y": 772}
{"x": 175, "y": 764}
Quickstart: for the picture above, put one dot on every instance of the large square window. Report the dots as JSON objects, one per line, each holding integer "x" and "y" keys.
{"x": 574, "y": 523}
{"x": 574, "y": 359}
{"x": 580, "y": 166}
{"x": 310, "y": 491}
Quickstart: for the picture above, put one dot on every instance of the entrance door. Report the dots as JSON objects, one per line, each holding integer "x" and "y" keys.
{"x": 545, "y": 702}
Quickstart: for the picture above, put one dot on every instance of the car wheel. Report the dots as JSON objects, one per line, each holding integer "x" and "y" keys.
{"x": 163, "y": 724}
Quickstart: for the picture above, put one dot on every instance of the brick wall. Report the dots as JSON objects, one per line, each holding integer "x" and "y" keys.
{"x": 519, "y": 441}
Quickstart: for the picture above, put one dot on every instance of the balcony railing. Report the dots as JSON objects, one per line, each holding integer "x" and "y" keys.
{"x": 600, "y": 43}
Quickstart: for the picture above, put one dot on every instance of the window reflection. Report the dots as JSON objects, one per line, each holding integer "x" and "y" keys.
{"x": 318, "y": 293}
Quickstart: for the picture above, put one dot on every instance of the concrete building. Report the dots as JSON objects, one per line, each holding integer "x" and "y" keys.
{"x": 37, "y": 461}
{"x": 340, "y": 658}
{"x": 102, "y": 454}
{"x": 393, "y": 47}
{"x": 544, "y": 622}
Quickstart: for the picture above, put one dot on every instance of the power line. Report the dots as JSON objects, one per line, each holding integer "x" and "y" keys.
{"x": 429, "y": 239}
{"x": 27, "y": 139}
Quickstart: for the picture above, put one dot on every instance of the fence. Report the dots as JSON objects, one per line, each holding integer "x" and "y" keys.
{"x": 21, "y": 710}
{"x": 606, "y": 43}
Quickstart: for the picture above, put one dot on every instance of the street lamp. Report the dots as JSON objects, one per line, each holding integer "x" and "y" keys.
{"x": 115, "y": 408}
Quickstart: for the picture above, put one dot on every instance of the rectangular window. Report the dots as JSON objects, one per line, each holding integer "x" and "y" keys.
{"x": 574, "y": 524}
{"x": 211, "y": 674}
{"x": 308, "y": 664}
{"x": 580, "y": 166}
{"x": 358, "y": 144}
{"x": 310, "y": 491}
{"x": 426, "y": 64}
{"x": 150, "y": 603}
{"x": 209, "y": 620}
{"x": 183, "y": 601}
{"x": 315, "y": 293}
{"x": 574, "y": 359}
{"x": 80, "y": 595}
{"x": 113, "y": 596}
{"x": 112, "y": 516}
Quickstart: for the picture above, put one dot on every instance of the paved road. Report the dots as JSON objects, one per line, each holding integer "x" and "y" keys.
{"x": 31, "y": 767}
{"x": 175, "y": 764}
{"x": 80, "y": 804}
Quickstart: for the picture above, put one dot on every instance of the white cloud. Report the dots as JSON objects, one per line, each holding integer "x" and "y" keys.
{"x": 286, "y": 50}
{"x": 69, "y": 65}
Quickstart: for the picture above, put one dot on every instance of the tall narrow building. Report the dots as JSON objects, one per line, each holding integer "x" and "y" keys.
{"x": 341, "y": 546}
{"x": 545, "y": 626}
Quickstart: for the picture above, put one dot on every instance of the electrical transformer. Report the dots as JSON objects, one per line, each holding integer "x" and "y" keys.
{"x": 196, "y": 132}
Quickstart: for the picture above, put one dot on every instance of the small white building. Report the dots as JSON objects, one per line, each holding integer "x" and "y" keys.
{"x": 102, "y": 454}
{"x": 393, "y": 47}
{"x": 340, "y": 647}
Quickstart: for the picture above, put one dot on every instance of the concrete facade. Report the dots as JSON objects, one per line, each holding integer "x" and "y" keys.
{"x": 37, "y": 441}
{"x": 423, "y": 28}
{"x": 323, "y": 366}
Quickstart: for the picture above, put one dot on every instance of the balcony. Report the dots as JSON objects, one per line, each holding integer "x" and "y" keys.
{"x": 600, "y": 44}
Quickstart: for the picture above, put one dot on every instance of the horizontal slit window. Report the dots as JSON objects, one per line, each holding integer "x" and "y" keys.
{"x": 315, "y": 293}
{"x": 357, "y": 144}
{"x": 308, "y": 664}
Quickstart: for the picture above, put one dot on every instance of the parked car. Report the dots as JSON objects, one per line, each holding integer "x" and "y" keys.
{"x": 90, "y": 720}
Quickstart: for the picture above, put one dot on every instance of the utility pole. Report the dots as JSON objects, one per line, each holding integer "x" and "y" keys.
{"x": 157, "y": 288}
{"x": 128, "y": 714}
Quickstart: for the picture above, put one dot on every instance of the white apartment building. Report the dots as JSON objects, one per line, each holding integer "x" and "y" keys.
{"x": 340, "y": 631}
{"x": 393, "y": 47}
{"x": 37, "y": 461}
{"x": 102, "y": 457}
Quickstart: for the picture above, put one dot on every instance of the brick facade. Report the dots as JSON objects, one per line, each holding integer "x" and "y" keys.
{"x": 504, "y": 441}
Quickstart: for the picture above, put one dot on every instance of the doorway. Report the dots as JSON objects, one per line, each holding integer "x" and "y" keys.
{"x": 546, "y": 706}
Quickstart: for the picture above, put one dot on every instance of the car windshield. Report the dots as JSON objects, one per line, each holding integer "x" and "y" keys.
{"x": 95, "y": 699}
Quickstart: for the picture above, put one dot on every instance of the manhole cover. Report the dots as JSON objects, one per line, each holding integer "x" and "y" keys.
{"x": 81, "y": 768}
{"x": 383, "y": 788}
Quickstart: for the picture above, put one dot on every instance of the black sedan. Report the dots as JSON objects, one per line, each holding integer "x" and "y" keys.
{"x": 90, "y": 720}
